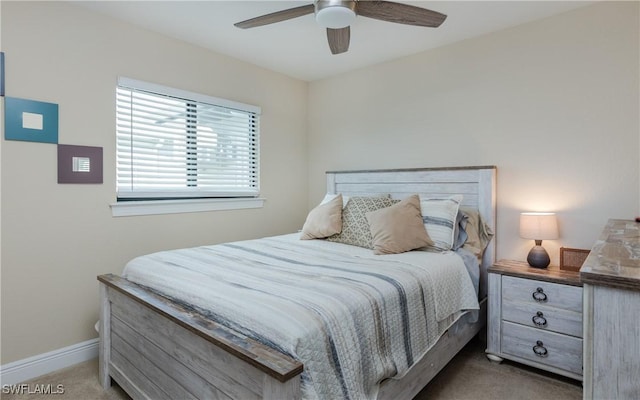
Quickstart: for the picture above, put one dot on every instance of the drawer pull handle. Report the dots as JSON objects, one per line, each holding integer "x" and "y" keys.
{"x": 539, "y": 295}
{"x": 539, "y": 319}
{"x": 540, "y": 350}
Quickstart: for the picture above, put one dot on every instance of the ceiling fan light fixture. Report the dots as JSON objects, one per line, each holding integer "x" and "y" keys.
{"x": 335, "y": 14}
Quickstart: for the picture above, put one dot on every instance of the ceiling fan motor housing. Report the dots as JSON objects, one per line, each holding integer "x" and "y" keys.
{"x": 335, "y": 14}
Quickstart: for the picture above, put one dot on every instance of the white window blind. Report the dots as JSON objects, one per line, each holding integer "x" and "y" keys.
{"x": 177, "y": 144}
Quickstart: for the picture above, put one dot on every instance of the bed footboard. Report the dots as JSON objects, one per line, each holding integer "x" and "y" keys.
{"x": 153, "y": 348}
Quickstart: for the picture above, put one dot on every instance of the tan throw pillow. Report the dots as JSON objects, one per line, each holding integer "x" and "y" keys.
{"x": 398, "y": 228}
{"x": 355, "y": 228}
{"x": 479, "y": 234}
{"x": 324, "y": 220}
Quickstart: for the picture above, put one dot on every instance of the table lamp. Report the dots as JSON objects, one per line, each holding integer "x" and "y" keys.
{"x": 538, "y": 226}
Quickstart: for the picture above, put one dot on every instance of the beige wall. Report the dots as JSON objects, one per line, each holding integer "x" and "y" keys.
{"x": 57, "y": 238}
{"x": 553, "y": 104}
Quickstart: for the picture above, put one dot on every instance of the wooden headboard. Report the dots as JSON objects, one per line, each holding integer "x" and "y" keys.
{"x": 476, "y": 184}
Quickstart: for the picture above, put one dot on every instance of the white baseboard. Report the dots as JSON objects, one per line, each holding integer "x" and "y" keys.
{"x": 32, "y": 367}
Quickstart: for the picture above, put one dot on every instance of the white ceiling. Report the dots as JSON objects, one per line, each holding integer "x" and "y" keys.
{"x": 299, "y": 48}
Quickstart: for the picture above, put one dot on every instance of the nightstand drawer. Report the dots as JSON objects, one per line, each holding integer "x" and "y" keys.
{"x": 543, "y": 347}
{"x": 535, "y": 292}
{"x": 543, "y": 317}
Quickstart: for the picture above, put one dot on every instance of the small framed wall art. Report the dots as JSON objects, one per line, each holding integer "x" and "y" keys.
{"x": 30, "y": 120}
{"x": 79, "y": 164}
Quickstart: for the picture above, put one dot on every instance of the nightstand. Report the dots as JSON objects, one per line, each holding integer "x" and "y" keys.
{"x": 535, "y": 317}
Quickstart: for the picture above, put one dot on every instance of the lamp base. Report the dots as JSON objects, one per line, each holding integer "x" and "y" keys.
{"x": 538, "y": 257}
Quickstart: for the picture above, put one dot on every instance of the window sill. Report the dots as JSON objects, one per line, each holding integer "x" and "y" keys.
{"x": 154, "y": 207}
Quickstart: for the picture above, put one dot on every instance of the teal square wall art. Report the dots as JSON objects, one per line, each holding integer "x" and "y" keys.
{"x": 30, "y": 120}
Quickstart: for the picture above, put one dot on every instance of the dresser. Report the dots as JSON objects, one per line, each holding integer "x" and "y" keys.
{"x": 535, "y": 317}
{"x": 611, "y": 278}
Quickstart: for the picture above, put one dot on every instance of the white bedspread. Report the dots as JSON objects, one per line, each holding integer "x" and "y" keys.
{"x": 351, "y": 317}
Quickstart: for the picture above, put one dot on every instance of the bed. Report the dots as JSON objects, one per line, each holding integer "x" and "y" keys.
{"x": 155, "y": 346}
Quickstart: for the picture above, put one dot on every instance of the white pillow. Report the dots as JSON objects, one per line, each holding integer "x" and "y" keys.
{"x": 345, "y": 199}
{"x": 328, "y": 197}
{"x": 439, "y": 218}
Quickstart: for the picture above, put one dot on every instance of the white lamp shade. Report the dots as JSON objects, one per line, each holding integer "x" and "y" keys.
{"x": 538, "y": 226}
{"x": 335, "y": 17}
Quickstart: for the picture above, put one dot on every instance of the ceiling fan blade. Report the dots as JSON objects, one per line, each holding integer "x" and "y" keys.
{"x": 400, "y": 13}
{"x": 276, "y": 17}
{"x": 339, "y": 39}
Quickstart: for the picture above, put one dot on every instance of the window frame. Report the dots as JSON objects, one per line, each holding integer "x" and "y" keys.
{"x": 160, "y": 203}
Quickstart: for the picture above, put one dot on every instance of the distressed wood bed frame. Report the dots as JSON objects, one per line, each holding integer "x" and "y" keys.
{"x": 155, "y": 349}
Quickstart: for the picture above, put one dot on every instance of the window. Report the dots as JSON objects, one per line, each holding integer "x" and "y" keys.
{"x": 174, "y": 144}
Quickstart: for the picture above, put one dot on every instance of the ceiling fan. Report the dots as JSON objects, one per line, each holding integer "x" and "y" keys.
{"x": 337, "y": 15}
